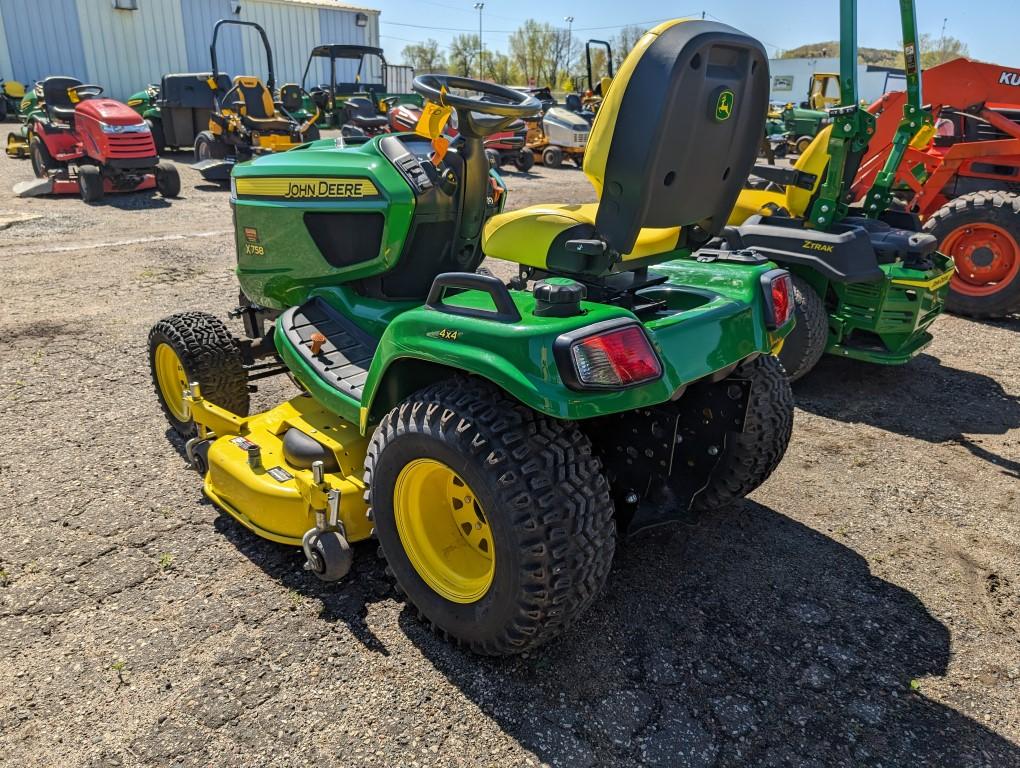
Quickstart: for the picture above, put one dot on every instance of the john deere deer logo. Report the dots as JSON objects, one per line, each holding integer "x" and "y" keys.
{"x": 724, "y": 106}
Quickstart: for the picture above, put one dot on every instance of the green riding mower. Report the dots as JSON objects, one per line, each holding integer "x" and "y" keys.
{"x": 19, "y": 142}
{"x": 495, "y": 438}
{"x": 868, "y": 282}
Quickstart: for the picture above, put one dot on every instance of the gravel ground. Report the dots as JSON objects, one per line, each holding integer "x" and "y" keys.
{"x": 861, "y": 608}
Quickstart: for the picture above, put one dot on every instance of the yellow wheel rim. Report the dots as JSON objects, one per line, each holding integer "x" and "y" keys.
{"x": 444, "y": 531}
{"x": 173, "y": 380}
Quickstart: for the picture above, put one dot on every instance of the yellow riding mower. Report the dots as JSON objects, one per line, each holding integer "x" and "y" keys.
{"x": 246, "y": 120}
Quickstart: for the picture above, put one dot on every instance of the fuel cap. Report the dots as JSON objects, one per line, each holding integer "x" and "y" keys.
{"x": 558, "y": 297}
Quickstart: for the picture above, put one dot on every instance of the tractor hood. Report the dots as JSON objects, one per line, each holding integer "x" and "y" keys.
{"x": 567, "y": 119}
{"x": 108, "y": 111}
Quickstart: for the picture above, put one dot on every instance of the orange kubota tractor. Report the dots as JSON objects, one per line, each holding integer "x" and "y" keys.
{"x": 962, "y": 177}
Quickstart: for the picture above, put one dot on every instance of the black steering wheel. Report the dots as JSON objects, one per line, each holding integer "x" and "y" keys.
{"x": 86, "y": 91}
{"x": 497, "y": 107}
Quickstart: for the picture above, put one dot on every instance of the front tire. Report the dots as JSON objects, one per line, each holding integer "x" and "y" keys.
{"x": 195, "y": 346}
{"x": 752, "y": 455}
{"x": 981, "y": 232}
{"x": 803, "y": 143}
{"x": 90, "y": 183}
{"x": 495, "y": 521}
{"x": 552, "y": 157}
{"x": 168, "y": 181}
{"x": 805, "y": 344}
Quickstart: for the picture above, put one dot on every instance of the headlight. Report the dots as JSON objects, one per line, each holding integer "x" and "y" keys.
{"x": 134, "y": 128}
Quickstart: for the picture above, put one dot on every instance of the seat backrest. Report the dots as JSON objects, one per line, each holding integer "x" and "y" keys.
{"x": 191, "y": 90}
{"x": 360, "y": 107}
{"x": 678, "y": 131}
{"x": 572, "y": 102}
{"x": 258, "y": 101}
{"x": 290, "y": 97}
{"x": 54, "y": 91}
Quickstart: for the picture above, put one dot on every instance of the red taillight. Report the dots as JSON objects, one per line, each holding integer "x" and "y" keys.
{"x": 616, "y": 358}
{"x": 778, "y": 287}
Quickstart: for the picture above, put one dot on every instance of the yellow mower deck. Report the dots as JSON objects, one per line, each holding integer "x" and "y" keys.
{"x": 275, "y": 499}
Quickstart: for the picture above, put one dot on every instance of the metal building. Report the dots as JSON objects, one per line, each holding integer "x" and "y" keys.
{"x": 125, "y": 44}
{"x": 791, "y": 78}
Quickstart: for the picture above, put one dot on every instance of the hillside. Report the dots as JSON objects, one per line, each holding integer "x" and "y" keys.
{"x": 883, "y": 56}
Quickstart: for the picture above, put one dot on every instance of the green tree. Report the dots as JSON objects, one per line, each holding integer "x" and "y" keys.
{"x": 464, "y": 55}
{"x": 425, "y": 57}
{"x": 624, "y": 41}
{"x": 938, "y": 50}
{"x": 529, "y": 48}
{"x": 499, "y": 68}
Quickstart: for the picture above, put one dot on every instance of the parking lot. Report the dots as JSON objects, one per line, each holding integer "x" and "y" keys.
{"x": 861, "y": 608}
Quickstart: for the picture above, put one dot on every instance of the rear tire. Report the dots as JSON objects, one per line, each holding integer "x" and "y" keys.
{"x": 751, "y": 456}
{"x": 90, "y": 183}
{"x": 158, "y": 137}
{"x": 208, "y": 147}
{"x": 540, "y": 498}
{"x": 981, "y": 231}
{"x": 168, "y": 181}
{"x": 42, "y": 160}
{"x": 805, "y": 344}
{"x": 312, "y": 134}
{"x": 552, "y": 157}
{"x": 206, "y": 352}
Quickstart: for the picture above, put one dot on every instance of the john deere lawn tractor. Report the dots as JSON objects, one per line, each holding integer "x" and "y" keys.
{"x": 868, "y": 281}
{"x": 247, "y": 120}
{"x": 19, "y": 141}
{"x": 494, "y": 438}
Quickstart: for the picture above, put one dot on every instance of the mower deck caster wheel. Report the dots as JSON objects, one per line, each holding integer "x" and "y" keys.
{"x": 328, "y": 554}
{"x": 90, "y": 183}
{"x": 197, "y": 451}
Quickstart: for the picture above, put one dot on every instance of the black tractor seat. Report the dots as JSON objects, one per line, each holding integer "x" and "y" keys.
{"x": 56, "y": 99}
{"x": 264, "y": 124}
{"x": 361, "y": 112}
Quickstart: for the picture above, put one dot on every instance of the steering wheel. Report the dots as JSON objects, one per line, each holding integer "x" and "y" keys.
{"x": 477, "y": 118}
{"x": 85, "y": 91}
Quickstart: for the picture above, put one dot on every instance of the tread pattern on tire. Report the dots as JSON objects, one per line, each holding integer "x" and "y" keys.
{"x": 1000, "y": 208}
{"x": 813, "y": 321}
{"x": 754, "y": 454}
{"x": 549, "y": 481}
{"x": 211, "y": 356}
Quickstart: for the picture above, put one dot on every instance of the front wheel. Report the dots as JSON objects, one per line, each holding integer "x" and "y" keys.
{"x": 168, "y": 181}
{"x": 90, "y": 183}
{"x": 981, "y": 232}
{"x": 753, "y": 454}
{"x": 195, "y": 346}
{"x": 494, "y": 520}
{"x": 802, "y": 144}
{"x": 552, "y": 157}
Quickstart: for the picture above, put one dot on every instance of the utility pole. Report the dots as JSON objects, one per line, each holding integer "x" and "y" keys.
{"x": 570, "y": 40}
{"x": 942, "y": 42}
{"x": 479, "y": 7}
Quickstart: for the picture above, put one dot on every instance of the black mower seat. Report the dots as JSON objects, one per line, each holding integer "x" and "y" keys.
{"x": 361, "y": 112}
{"x": 264, "y": 124}
{"x": 56, "y": 98}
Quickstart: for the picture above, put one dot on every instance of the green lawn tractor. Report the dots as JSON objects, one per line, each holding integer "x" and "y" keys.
{"x": 362, "y": 102}
{"x": 868, "y": 282}
{"x": 495, "y": 438}
{"x": 19, "y": 141}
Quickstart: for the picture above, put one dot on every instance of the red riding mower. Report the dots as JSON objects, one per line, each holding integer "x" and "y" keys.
{"x": 506, "y": 146}
{"x": 91, "y": 145}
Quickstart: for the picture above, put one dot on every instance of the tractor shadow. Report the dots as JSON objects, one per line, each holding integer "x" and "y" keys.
{"x": 747, "y": 639}
{"x": 925, "y": 399}
{"x": 145, "y": 200}
{"x": 346, "y": 602}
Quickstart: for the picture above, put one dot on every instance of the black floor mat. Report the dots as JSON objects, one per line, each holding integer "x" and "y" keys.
{"x": 346, "y": 355}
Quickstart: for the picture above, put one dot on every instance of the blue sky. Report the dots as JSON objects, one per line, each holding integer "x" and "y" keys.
{"x": 987, "y": 26}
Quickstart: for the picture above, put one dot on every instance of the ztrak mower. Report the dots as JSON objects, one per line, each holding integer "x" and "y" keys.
{"x": 83, "y": 143}
{"x": 246, "y": 120}
{"x": 494, "y": 439}
{"x": 868, "y": 282}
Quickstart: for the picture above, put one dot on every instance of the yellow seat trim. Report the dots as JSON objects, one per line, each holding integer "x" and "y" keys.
{"x": 795, "y": 200}
{"x": 524, "y": 236}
